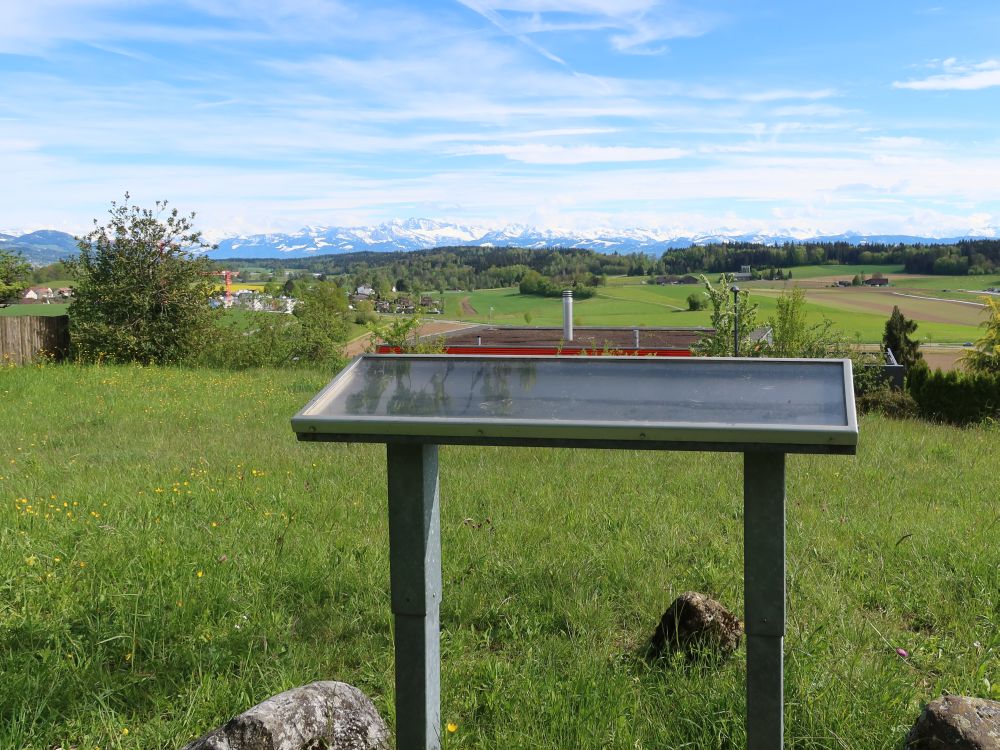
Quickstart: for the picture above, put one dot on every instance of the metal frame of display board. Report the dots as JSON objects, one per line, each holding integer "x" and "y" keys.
{"x": 414, "y": 506}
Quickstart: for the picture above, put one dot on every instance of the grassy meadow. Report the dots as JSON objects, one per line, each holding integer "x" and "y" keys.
{"x": 937, "y": 303}
{"x": 171, "y": 556}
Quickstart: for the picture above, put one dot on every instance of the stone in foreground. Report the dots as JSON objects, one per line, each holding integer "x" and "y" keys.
{"x": 698, "y": 626}
{"x": 319, "y": 716}
{"x": 957, "y": 722}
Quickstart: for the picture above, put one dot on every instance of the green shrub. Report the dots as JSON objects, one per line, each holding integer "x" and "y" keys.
{"x": 266, "y": 340}
{"x": 889, "y": 402}
{"x": 696, "y": 302}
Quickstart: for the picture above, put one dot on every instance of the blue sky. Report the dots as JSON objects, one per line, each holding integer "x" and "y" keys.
{"x": 746, "y": 115}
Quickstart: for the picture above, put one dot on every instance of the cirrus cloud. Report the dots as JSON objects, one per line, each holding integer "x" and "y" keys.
{"x": 543, "y": 153}
{"x": 958, "y": 77}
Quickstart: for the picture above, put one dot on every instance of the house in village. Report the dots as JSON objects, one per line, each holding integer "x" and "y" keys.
{"x": 37, "y": 294}
{"x": 876, "y": 281}
{"x": 745, "y": 274}
{"x": 431, "y": 305}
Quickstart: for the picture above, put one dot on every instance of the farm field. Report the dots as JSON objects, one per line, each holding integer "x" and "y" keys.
{"x": 171, "y": 555}
{"x": 858, "y": 312}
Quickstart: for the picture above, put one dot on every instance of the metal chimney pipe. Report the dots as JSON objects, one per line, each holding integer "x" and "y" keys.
{"x": 567, "y": 315}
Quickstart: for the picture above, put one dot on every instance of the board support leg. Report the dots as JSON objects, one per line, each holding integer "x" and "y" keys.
{"x": 764, "y": 583}
{"x": 415, "y": 575}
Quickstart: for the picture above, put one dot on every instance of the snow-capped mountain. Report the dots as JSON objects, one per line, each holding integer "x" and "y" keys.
{"x": 47, "y": 246}
{"x": 418, "y": 234}
{"x": 412, "y": 234}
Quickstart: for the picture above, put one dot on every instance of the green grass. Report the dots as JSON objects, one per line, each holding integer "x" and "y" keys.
{"x": 802, "y": 273}
{"x": 859, "y": 313}
{"x": 171, "y": 556}
{"x": 56, "y": 308}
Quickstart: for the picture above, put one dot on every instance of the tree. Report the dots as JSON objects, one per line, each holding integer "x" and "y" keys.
{"x": 322, "y": 315}
{"x": 51, "y": 272}
{"x": 696, "y": 301}
{"x": 793, "y": 336}
{"x": 897, "y": 337}
{"x": 142, "y": 292}
{"x": 15, "y": 274}
{"x": 402, "y": 332}
{"x": 725, "y": 316}
{"x": 985, "y": 358}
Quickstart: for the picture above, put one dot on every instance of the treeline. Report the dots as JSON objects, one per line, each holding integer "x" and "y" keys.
{"x": 464, "y": 267}
{"x": 540, "y": 286}
{"x": 966, "y": 257}
{"x": 489, "y": 267}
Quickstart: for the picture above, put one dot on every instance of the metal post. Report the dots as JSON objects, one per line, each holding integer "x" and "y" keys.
{"x": 764, "y": 594}
{"x": 415, "y": 575}
{"x": 736, "y": 319}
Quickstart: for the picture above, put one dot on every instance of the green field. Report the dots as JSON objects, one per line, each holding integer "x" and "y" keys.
{"x": 859, "y": 312}
{"x": 56, "y": 308}
{"x": 171, "y": 555}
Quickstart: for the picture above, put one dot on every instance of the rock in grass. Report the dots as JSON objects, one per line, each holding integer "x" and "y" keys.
{"x": 321, "y": 715}
{"x": 698, "y": 626}
{"x": 956, "y": 722}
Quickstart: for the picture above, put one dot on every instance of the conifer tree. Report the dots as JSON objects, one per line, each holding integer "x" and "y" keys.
{"x": 897, "y": 338}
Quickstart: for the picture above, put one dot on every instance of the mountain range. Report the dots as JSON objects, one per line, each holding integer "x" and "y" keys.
{"x": 47, "y": 246}
{"x": 40, "y": 248}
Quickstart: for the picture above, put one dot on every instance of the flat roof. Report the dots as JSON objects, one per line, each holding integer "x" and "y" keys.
{"x": 589, "y": 337}
{"x": 793, "y": 405}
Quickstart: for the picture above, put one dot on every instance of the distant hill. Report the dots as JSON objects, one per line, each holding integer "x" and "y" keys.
{"x": 42, "y": 247}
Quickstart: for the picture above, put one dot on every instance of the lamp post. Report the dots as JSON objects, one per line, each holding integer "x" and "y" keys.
{"x": 736, "y": 319}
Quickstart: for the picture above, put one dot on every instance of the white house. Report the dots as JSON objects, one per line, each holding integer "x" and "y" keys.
{"x": 37, "y": 294}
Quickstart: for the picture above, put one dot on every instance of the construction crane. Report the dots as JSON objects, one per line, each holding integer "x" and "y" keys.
{"x": 229, "y": 284}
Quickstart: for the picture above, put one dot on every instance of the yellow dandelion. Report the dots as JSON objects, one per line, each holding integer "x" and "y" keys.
{"x": 124, "y": 730}
{"x": 201, "y": 573}
{"x": 452, "y": 727}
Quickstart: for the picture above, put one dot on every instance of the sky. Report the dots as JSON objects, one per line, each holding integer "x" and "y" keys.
{"x": 686, "y": 115}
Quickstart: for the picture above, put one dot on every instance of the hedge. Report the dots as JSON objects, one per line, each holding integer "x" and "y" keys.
{"x": 956, "y": 397}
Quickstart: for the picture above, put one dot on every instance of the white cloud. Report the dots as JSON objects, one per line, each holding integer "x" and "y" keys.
{"x": 635, "y": 26}
{"x": 958, "y": 77}
{"x": 540, "y": 153}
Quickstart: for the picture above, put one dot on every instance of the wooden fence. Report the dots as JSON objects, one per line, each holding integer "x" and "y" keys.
{"x": 25, "y": 338}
